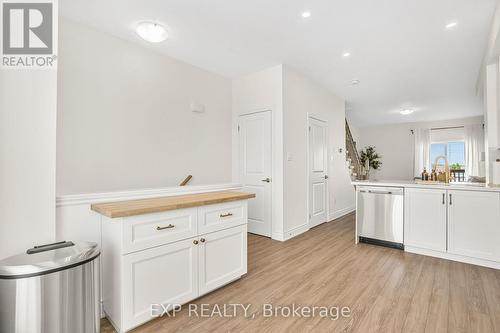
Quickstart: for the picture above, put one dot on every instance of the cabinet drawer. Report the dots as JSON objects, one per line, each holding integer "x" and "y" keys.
{"x": 221, "y": 216}
{"x": 146, "y": 231}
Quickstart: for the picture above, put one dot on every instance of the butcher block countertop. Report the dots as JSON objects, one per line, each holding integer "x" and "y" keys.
{"x": 155, "y": 205}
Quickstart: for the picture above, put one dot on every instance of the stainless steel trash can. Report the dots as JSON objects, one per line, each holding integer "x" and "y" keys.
{"x": 51, "y": 288}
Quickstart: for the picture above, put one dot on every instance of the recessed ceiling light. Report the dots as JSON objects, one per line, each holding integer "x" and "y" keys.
{"x": 151, "y": 32}
{"x": 406, "y": 112}
{"x": 451, "y": 25}
{"x": 355, "y": 82}
{"x": 346, "y": 54}
{"x": 306, "y": 14}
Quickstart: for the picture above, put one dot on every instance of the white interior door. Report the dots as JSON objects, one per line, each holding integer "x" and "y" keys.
{"x": 318, "y": 172}
{"x": 255, "y": 168}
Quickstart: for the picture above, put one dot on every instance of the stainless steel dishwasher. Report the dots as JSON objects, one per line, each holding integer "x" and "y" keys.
{"x": 380, "y": 215}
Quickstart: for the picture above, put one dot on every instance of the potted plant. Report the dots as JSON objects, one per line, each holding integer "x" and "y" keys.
{"x": 370, "y": 160}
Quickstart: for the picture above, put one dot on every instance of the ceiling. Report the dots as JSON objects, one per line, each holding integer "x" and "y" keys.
{"x": 401, "y": 52}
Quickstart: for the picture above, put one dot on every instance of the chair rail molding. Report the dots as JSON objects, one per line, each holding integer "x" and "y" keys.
{"x": 90, "y": 198}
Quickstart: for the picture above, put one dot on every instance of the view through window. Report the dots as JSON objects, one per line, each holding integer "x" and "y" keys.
{"x": 453, "y": 150}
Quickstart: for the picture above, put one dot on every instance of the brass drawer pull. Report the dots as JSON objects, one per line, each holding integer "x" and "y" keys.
{"x": 226, "y": 215}
{"x": 170, "y": 226}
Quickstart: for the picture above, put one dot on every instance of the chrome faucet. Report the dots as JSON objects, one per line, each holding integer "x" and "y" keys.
{"x": 446, "y": 168}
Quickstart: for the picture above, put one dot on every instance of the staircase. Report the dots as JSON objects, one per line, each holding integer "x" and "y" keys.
{"x": 352, "y": 155}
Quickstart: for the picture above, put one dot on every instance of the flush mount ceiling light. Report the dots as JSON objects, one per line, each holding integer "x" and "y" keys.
{"x": 451, "y": 25}
{"x": 306, "y": 14}
{"x": 355, "y": 82}
{"x": 346, "y": 54}
{"x": 151, "y": 31}
{"x": 406, "y": 112}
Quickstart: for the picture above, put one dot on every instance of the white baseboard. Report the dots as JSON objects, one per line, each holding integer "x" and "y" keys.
{"x": 290, "y": 233}
{"x": 284, "y": 236}
{"x": 279, "y": 236}
{"x": 340, "y": 212}
{"x": 454, "y": 257}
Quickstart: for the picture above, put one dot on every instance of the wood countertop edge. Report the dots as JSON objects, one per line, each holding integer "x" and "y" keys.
{"x": 134, "y": 211}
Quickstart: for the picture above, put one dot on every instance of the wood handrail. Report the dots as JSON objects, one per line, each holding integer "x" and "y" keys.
{"x": 186, "y": 180}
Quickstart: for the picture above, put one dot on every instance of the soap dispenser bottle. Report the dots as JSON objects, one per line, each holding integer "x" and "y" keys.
{"x": 434, "y": 175}
{"x": 425, "y": 175}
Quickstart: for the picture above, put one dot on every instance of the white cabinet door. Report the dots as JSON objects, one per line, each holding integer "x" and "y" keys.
{"x": 474, "y": 224}
{"x": 162, "y": 275}
{"x": 223, "y": 257}
{"x": 425, "y": 219}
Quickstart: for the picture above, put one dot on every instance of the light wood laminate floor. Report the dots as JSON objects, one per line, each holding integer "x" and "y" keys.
{"x": 387, "y": 290}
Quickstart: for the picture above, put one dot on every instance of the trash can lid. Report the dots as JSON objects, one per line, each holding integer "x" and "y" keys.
{"x": 48, "y": 258}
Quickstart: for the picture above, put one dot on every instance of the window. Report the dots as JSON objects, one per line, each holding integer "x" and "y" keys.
{"x": 455, "y": 152}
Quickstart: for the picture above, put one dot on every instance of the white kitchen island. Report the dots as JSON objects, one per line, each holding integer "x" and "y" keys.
{"x": 459, "y": 222}
{"x": 162, "y": 252}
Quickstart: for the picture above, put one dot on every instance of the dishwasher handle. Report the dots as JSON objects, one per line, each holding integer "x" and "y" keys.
{"x": 387, "y": 192}
{"x": 380, "y": 192}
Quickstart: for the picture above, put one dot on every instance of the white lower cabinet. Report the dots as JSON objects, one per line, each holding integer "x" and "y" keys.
{"x": 162, "y": 275}
{"x": 474, "y": 224}
{"x": 222, "y": 258}
{"x": 454, "y": 224}
{"x": 162, "y": 259}
{"x": 425, "y": 219}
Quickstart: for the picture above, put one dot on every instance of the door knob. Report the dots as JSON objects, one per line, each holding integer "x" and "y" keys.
{"x": 195, "y": 242}
{"x": 202, "y": 240}
{"x": 267, "y": 180}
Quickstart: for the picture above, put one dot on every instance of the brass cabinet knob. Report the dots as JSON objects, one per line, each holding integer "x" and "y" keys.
{"x": 195, "y": 242}
{"x": 202, "y": 240}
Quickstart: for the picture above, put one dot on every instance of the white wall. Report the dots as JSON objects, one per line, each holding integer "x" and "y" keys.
{"x": 124, "y": 119}
{"x": 27, "y": 158}
{"x": 302, "y": 97}
{"x": 291, "y": 96}
{"x": 395, "y": 144}
{"x": 259, "y": 92}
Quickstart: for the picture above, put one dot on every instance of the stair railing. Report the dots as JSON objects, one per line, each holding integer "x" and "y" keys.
{"x": 352, "y": 151}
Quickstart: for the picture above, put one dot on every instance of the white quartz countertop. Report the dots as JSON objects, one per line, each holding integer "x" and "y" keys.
{"x": 412, "y": 184}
